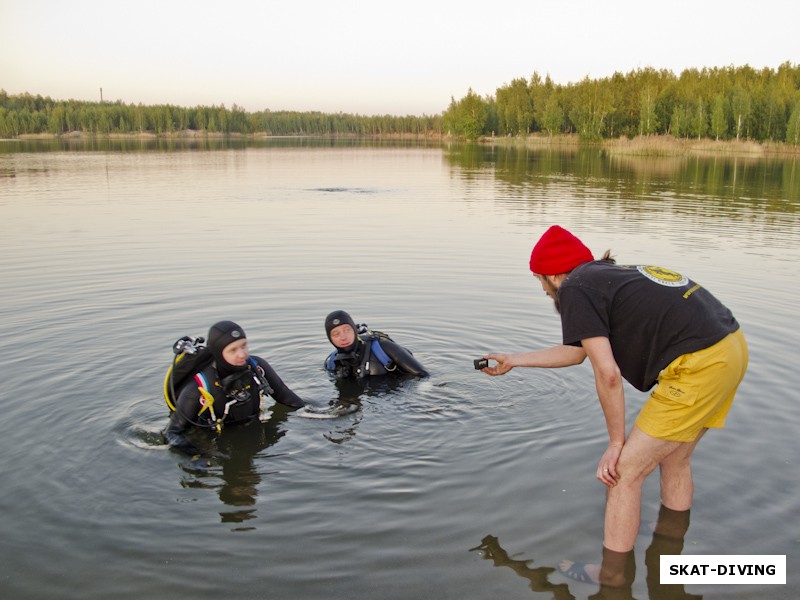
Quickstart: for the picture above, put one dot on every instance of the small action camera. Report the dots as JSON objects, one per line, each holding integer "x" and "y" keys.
{"x": 481, "y": 363}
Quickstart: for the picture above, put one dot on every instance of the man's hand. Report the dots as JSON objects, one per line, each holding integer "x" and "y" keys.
{"x": 607, "y": 467}
{"x": 502, "y": 367}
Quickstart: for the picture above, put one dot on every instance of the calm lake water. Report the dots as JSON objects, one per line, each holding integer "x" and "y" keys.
{"x": 111, "y": 251}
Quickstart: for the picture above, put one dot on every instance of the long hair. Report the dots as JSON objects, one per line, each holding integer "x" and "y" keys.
{"x": 608, "y": 258}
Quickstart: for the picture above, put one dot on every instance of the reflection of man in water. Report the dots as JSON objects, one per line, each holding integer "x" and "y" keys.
{"x": 667, "y": 539}
{"x": 349, "y": 401}
{"x": 617, "y": 572}
{"x": 232, "y": 471}
{"x": 491, "y": 550}
{"x": 351, "y": 391}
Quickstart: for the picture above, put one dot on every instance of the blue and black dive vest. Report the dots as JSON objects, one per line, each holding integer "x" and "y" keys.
{"x": 338, "y": 361}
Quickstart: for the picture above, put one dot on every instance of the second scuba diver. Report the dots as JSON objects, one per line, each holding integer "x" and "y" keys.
{"x": 361, "y": 353}
{"x": 229, "y": 389}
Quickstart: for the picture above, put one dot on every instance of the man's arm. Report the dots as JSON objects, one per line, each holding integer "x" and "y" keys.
{"x": 402, "y": 357}
{"x": 179, "y": 423}
{"x": 280, "y": 391}
{"x": 548, "y": 358}
{"x": 608, "y": 381}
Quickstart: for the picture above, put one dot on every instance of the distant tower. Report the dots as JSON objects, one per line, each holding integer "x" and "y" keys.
{"x": 101, "y": 95}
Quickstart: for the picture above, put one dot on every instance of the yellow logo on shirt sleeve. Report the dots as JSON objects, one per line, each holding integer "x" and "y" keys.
{"x": 663, "y": 276}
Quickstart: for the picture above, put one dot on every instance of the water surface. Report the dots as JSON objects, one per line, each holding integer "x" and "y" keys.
{"x": 111, "y": 251}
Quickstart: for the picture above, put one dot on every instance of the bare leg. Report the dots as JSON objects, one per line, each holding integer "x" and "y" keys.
{"x": 677, "y": 487}
{"x": 640, "y": 456}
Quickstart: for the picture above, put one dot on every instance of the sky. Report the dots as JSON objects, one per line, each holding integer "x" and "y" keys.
{"x": 407, "y": 57}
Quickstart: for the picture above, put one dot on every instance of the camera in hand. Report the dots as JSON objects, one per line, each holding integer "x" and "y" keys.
{"x": 481, "y": 363}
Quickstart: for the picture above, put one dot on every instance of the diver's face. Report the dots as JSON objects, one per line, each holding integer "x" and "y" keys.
{"x": 342, "y": 335}
{"x": 236, "y": 353}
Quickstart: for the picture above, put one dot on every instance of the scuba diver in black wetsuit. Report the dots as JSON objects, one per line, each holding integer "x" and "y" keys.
{"x": 229, "y": 390}
{"x": 361, "y": 353}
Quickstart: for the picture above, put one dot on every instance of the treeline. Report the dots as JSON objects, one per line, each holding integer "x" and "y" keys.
{"x": 717, "y": 103}
{"x": 28, "y": 114}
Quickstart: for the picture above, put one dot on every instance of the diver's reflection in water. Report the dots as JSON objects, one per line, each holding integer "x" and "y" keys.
{"x": 491, "y": 550}
{"x": 617, "y": 572}
{"x": 231, "y": 470}
{"x": 350, "y": 402}
{"x": 351, "y": 392}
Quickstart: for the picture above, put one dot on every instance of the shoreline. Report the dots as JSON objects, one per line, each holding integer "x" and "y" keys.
{"x": 655, "y": 146}
{"x": 193, "y": 134}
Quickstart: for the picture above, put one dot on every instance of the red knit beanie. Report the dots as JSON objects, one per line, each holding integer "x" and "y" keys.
{"x": 558, "y": 251}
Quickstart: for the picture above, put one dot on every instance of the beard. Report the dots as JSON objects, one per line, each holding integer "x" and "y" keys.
{"x": 552, "y": 291}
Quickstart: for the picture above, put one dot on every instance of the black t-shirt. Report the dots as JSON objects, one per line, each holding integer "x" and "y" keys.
{"x": 651, "y": 316}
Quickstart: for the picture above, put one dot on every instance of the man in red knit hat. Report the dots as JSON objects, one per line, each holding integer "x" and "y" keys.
{"x": 658, "y": 330}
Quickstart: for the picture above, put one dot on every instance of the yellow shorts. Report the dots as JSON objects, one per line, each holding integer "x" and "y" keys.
{"x": 695, "y": 391}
